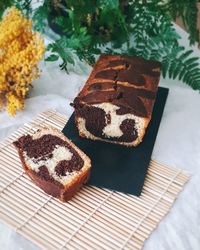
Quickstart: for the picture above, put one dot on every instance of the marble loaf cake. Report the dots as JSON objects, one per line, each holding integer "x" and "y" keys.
{"x": 53, "y": 162}
{"x": 116, "y": 103}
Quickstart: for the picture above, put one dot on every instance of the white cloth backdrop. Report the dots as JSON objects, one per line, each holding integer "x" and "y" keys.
{"x": 177, "y": 144}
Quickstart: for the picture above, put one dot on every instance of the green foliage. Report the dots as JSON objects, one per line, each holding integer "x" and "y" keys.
{"x": 186, "y": 10}
{"x": 40, "y": 16}
{"x": 4, "y": 5}
{"x": 144, "y": 28}
{"x": 23, "y": 5}
{"x": 155, "y": 38}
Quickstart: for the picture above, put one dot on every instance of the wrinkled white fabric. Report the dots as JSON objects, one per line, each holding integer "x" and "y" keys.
{"x": 177, "y": 144}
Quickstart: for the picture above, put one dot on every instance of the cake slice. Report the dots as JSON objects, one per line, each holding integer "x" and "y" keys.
{"x": 53, "y": 162}
{"x": 116, "y": 103}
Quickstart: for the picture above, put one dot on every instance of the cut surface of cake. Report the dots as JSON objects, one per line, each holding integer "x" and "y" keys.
{"x": 53, "y": 162}
{"x": 116, "y": 103}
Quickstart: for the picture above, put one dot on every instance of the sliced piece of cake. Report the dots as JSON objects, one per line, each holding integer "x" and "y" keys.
{"x": 53, "y": 162}
{"x": 116, "y": 103}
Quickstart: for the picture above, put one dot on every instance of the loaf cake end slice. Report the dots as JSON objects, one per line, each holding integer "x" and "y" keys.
{"x": 53, "y": 162}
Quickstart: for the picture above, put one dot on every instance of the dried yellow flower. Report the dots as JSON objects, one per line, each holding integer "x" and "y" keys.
{"x": 20, "y": 51}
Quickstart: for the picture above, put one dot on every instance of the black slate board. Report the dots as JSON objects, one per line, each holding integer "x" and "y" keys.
{"x": 118, "y": 167}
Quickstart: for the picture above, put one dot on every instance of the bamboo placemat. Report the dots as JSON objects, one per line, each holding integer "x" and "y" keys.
{"x": 96, "y": 218}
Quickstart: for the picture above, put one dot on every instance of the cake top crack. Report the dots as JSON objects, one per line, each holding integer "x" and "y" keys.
{"x": 128, "y": 82}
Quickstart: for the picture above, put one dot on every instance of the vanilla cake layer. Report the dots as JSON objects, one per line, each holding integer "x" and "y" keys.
{"x": 59, "y": 154}
{"x": 113, "y": 125}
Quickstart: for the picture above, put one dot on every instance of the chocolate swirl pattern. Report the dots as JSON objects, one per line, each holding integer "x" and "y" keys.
{"x": 53, "y": 162}
{"x": 123, "y": 88}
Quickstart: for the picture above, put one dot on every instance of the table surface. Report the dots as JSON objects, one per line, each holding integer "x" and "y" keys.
{"x": 177, "y": 144}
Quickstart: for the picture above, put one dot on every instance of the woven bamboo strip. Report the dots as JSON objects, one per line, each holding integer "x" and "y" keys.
{"x": 168, "y": 171}
{"x": 150, "y": 210}
{"x": 13, "y": 164}
{"x": 143, "y": 199}
{"x": 164, "y": 172}
{"x": 10, "y": 152}
{"x": 102, "y": 225}
{"x": 3, "y": 183}
{"x": 141, "y": 204}
{"x": 8, "y": 206}
{"x": 96, "y": 218}
{"x": 29, "y": 235}
{"x": 59, "y": 121}
{"x": 21, "y": 206}
{"x": 6, "y": 217}
{"x": 34, "y": 213}
{"x": 32, "y": 194}
{"x": 133, "y": 212}
{"x": 12, "y": 171}
{"x": 132, "y": 217}
{"x": 80, "y": 212}
{"x": 156, "y": 179}
{"x": 24, "y": 197}
{"x": 52, "y": 122}
{"x": 56, "y": 220}
{"x": 119, "y": 201}
{"x": 42, "y": 235}
{"x": 90, "y": 215}
{"x": 49, "y": 229}
{"x": 11, "y": 182}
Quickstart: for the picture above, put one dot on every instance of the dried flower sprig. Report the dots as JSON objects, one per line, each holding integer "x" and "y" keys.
{"x": 20, "y": 51}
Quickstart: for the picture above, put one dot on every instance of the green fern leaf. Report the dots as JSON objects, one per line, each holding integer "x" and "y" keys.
{"x": 52, "y": 58}
{"x": 191, "y": 60}
{"x": 192, "y": 66}
{"x": 185, "y": 55}
{"x": 181, "y": 74}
